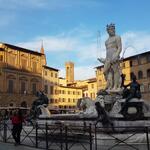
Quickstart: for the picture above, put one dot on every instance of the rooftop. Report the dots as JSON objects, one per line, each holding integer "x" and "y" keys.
{"x": 21, "y": 49}
{"x": 50, "y": 68}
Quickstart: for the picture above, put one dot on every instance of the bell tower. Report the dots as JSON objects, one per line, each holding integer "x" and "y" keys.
{"x": 69, "y": 72}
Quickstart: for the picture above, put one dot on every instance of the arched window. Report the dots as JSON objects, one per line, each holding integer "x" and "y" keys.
{"x": 148, "y": 73}
{"x": 10, "y": 86}
{"x": 131, "y": 64}
{"x": 100, "y": 82}
{"x": 34, "y": 88}
{"x": 51, "y": 100}
{"x": 46, "y": 89}
{"x": 140, "y": 75}
{"x": 23, "y": 87}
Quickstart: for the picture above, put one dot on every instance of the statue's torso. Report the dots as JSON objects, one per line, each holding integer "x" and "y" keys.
{"x": 111, "y": 46}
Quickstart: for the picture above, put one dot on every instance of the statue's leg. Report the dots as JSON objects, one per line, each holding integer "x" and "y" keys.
{"x": 106, "y": 73}
{"x": 111, "y": 79}
{"x": 109, "y": 84}
{"x": 117, "y": 75}
{"x": 131, "y": 95}
{"x": 106, "y": 69}
{"x": 126, "y": 93}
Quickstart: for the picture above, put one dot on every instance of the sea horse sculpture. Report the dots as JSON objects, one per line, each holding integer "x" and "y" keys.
{"x": 39, "y": 105}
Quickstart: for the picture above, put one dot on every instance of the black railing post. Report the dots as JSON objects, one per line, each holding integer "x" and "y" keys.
{"x": 36, "y": 137}
{"x": 66, "y": 137}
{"x": 5, "y": 131}
{"x": 46, "y": 135}
{"x": 61, "y": 137}
{"x": 90, "y": 133}
{"x": 95, "y": 137}
{"x": 147, "y": 138}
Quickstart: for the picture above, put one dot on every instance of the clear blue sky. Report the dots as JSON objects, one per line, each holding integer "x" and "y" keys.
{"x": 69, "y": 28}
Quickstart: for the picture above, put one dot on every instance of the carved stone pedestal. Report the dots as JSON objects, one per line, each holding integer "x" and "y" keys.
{"x": 133, "y": 110}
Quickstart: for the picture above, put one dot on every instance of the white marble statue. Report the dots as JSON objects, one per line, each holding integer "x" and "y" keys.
{"x": 100, "y": 99}
{"x": 112, "y": 71}
{"x": 87, "y": 107}
{"x": 44, "y": 111}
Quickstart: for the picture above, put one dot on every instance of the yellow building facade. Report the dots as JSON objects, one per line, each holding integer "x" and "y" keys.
{"x": 51, "y": 83}
{"x": 20, "y": 75}
{"x": 68, "y": 97}
{"x": 60, "y": 95}
{"x": 89, "y": 87}
{"x": 92, "y": 88}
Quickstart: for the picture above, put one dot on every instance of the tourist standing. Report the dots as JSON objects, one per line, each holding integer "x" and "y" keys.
{"x": 17, "y": 120}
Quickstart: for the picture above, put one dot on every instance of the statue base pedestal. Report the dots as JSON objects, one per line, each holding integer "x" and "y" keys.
{"x": 133, "y": 109}
{"x": 114, "y": 91}
{"x": 110, "y": 97}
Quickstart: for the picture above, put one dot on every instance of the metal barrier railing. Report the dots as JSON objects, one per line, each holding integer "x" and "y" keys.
{"x": 70, "y": 137}
{"x": 129, "y": 131}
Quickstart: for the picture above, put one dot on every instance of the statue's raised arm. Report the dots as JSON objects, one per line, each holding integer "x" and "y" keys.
{"x": 102, "y": 60}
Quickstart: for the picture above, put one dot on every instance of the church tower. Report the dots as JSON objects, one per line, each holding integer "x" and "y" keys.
{"x": 69, "y": 72}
